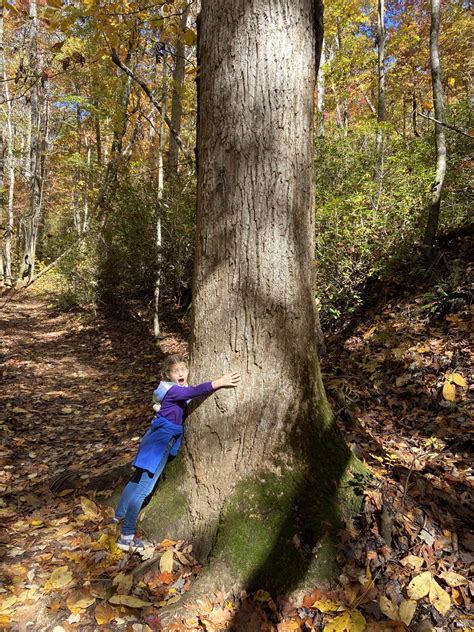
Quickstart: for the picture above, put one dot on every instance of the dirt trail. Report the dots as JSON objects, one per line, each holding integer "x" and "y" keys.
{"x": 75, "y": 400}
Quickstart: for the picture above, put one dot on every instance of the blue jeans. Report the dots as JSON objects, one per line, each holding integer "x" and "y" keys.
{"x": 136, "y": 490}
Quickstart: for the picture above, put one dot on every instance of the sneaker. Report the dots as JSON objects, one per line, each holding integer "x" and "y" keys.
{"x": 135, "y": 545}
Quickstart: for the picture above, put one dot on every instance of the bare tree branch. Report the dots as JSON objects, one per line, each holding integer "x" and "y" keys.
{"x": 118, "y": 62}
{"x": 455, "y": 129}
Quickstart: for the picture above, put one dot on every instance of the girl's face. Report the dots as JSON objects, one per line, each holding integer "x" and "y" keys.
{"x": 179, "y": 373}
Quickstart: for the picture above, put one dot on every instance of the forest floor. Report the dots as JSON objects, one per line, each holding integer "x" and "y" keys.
{"x": 75, "y": 398}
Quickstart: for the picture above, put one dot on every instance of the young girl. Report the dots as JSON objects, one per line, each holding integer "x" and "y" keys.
{"x": 162, "y": 439}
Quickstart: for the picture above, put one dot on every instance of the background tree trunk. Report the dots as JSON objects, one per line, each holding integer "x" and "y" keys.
{"x": 159, "y": 201}
{"x": 380, "y": 98}
{"x": 320, "y": 92}
{"x": 37, "y": 133}
{"x": 265, "y": 462}
{"x": 440, "y": 139}
{"x": 177, "y": 98}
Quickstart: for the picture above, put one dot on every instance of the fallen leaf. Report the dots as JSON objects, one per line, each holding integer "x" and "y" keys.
{"x": 79, "y": 600}
{"x": 388, "y": 608}
{"x": 414, "y": 561}
{"x": 288, "y": 626}
{"x": 105, "y": 613}
{"x": 7, "y": 602}
{"x": 123, "y": 582}
{"x": 457, "y": 378}
{"x": 60, "y": 578}
{"x": 326, "y": 605}
{"x": 453, "y": 579}
{"x": 347, "y": 622}
{"x": 449, "y": 392}
{"x": 165, "y": 578}
{"x": 407, "y": 609}
{"x": 439, "y": 598}
{"x": 89, "y": 508}
{"x": 129, "y": 600}
{"x": 166, "y": 561}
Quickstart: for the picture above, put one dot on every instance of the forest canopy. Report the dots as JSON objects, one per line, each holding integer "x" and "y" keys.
{"x": 99, "y": 130}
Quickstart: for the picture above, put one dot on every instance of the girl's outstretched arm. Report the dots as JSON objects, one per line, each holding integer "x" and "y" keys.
{"x": 229, "y": 380}
{"x": 182, "y": 393}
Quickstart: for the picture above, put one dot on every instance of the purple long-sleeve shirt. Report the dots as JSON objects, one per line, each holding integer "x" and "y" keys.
{"x": 173, "y": 406}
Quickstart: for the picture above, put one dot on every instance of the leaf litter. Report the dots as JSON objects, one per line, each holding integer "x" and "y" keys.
{"x": 75, "y": 400}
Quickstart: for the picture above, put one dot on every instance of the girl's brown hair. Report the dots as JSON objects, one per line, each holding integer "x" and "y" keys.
{"x": 168, "y": 362}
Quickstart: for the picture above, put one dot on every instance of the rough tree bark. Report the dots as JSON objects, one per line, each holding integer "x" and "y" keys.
{"x": 440, "y": 140}
{"x": 264, "y": 463}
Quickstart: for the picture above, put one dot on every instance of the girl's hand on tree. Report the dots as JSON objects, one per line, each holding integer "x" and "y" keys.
{"x": 229, "y": 380}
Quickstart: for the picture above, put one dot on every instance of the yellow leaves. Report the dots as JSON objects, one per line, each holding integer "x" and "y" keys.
{"x": 407, "y": 609}
{"x": 453, "y": 579}
{"x": 7, "y": 602}
{"x": 449, "y": 391}
{"x": 166, "y": 562}
{"x": 326, "y": 605}
{"x": 420, "y": 585}
{"x": 90, "y": 509}
{"x": 414, "y": 561}
{"x": 189, "y": 37}
{"x": 404, "y": 612}
{"x": 388, "y": 608}
{"x": 79, "y": 600}
{"x": 129, "y": 600}
{"x": 439, "y": 598}
{"x": 347, "y": 622}
{"x": 425, "y": 584}
{"x": 457, "y": 378}
{"x": 60, "y": 578}
{"x": 123, "y": 582}
{"x": 105, "y": 613}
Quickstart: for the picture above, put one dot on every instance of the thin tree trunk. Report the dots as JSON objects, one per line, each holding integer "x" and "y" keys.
{"x": 381, "y": 85}
{"x": 177, "y": 98}
{"x": 2, "y": 153}
{"x": 6, "y": 204}
{"x": 440, "y": 140}
{"x": 320, "y": 91}
{"x": 414, "y": 119}
{"x": 159, "y": 201}
{"x": 88, "y": 180}
{"x": 31, "y": 222}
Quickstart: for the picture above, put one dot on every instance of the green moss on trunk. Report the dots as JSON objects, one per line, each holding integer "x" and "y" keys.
{"x": 278, "y": 531}
{"x": 163, "y": 515}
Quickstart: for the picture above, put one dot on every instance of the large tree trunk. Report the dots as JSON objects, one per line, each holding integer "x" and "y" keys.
{"x": 258, "y": 486}
{"x": 437, "y": 189}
